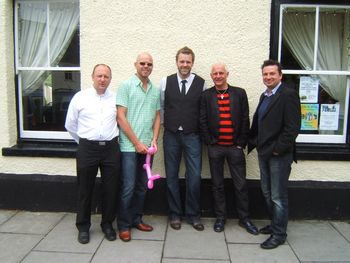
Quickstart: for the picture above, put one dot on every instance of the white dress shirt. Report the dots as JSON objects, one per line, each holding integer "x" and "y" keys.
{"x": 92, "y": 116}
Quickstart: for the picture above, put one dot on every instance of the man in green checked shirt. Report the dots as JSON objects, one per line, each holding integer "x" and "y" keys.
{"x": 138, "y": 103}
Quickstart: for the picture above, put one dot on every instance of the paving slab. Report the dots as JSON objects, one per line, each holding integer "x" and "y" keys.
{"x": 56, "y": 257}
{"x": 159, "y": 224}
{"x": 188, "y": 243}
{"x": 6, "y": 214}
{"x": 13, "y": 247}
{"x": 236, "y": 234}
{"x": 253, "y": 253}
{"x": 29, "y": 237}
{"x": 343, "y": 228}
{"x": 63, "y": 237}
{"x": 174, "y": 260}
{"x": 31, "y": 223}
{"x": 317, "y": 241}
{"x": 134, "y": 251}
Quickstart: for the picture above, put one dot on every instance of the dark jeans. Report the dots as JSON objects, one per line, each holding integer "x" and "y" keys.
{"x": 90, "y": 157}
{"x": 174, "y": 145}
{"x": 133, "y": 190}
{"x": 237, "y": 166}
{"x": 274, "y": 174}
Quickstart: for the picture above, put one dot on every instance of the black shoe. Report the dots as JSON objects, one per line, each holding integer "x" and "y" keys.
{"x": 175, "y": 224}
{"x": 249, "y": 226}
{"x": 83, "y": 237}
{"x": 219, "y": 225}
{"x": 198, "y": 225}
{"x": 266, "y": 230}
{"x": 110, "y": 234}
{"x": 271, "y": 243}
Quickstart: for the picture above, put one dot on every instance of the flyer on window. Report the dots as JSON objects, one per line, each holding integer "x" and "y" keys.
{"x": 308, "y": 89}
{"x": 329, "y": 117}
{"x": 309, "y": 117}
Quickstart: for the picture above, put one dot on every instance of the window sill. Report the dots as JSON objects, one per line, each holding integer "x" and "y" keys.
{"x": 61, "y": 149}
{"x": 324, "y": 152}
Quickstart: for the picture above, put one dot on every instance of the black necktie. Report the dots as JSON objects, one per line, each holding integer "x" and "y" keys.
{"x": 183, "y": 87}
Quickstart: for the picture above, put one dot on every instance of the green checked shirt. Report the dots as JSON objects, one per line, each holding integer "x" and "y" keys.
{"x": 141, "y": 110}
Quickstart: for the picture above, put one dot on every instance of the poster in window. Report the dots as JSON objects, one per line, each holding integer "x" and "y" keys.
{"x": 309, "y": 117}
{"x": 329, "y": 117}
{"x": 308, "y": 89}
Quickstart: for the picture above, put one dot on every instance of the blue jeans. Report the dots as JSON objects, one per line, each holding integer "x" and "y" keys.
{"x": 174, "y": 145}
{"x": 133, "y": 190}
{"x": 274, "y": 174}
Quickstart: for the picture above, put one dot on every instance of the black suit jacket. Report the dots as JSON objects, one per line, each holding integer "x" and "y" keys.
{"x": 209, "y": 115}
{"x": 279, "y": 126}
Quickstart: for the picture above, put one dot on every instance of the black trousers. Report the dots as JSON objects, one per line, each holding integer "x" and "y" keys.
{"x": 237, "y": 165}
{"x": 92, "y": 155}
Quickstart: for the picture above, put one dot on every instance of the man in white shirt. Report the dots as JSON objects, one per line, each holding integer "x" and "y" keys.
{"x": 91, "y": 121}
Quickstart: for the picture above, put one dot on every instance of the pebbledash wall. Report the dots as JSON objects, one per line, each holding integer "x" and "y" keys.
{"x": 114, "y": 32}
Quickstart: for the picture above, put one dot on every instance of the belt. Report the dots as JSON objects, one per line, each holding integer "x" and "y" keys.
{"x": 99, "y": 143}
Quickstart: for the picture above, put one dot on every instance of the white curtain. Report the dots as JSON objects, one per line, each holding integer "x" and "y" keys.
{"x": 33, "y": 45}
{"x": 299, "y": 34}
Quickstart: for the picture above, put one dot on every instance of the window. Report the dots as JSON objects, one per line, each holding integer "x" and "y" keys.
{"x": 314, "y": 49}
{"x": 47, "y": 65}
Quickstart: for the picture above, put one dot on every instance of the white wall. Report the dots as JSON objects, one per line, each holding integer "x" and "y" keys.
{"x": 114, "y": 32}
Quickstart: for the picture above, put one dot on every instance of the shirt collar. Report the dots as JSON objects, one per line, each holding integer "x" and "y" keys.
{"x": 273, "y": 92}
{"x": 107, "y": 92}
{"x": 138, "y": 82}
{"x": 188, "y": 79}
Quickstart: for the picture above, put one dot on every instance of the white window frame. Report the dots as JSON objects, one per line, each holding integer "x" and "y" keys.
{"x": 317, "y": 138}
{"x": 28, "y": 134}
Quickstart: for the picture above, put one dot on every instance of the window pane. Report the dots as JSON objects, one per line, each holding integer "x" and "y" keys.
{"x": 32, "y": 34}
{"x": 298, "y": 38}
{"x": 45, "y": 103}
{"x": 333, "y": 45}
{"x": 323, "y": 102}
{"x": 64, "y": 19}
{"x": 47, "y": 31}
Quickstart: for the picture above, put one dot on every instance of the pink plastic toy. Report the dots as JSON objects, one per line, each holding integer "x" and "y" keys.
{"x": 147, "y": 166}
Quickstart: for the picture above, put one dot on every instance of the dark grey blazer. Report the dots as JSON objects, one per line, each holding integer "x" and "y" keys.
{"x": 280, "y": 124}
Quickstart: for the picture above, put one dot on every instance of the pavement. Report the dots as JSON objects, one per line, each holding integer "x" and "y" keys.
{"x": 52, "y": 237}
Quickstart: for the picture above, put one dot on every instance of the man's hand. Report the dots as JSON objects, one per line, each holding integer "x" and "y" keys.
{"x": 141, "y": 148}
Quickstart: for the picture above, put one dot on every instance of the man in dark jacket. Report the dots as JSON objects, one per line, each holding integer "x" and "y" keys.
{"x": 275, "y": 126}
{"x": 224, "y": 126}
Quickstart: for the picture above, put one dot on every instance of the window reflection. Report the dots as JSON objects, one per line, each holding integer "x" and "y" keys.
{"x": 45, "y": 107}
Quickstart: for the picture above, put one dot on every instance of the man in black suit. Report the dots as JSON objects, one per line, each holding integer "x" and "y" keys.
{"x": 276, "y": 124}
{"x": 224, "y": 126}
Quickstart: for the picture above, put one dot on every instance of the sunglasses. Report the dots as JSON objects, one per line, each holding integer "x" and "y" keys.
{"x": 144, "y": 63}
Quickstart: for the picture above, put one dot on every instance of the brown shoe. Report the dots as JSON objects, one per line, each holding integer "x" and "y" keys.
{"x": 144, "y": 227}
{"x": 125, "y": 235}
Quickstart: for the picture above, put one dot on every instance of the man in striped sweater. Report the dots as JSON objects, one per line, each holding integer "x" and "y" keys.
{"x": 224, "y": 127}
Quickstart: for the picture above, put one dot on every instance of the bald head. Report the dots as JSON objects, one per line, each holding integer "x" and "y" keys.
{"x": 143, "y": 55}
{"x": 144, "y": 65}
